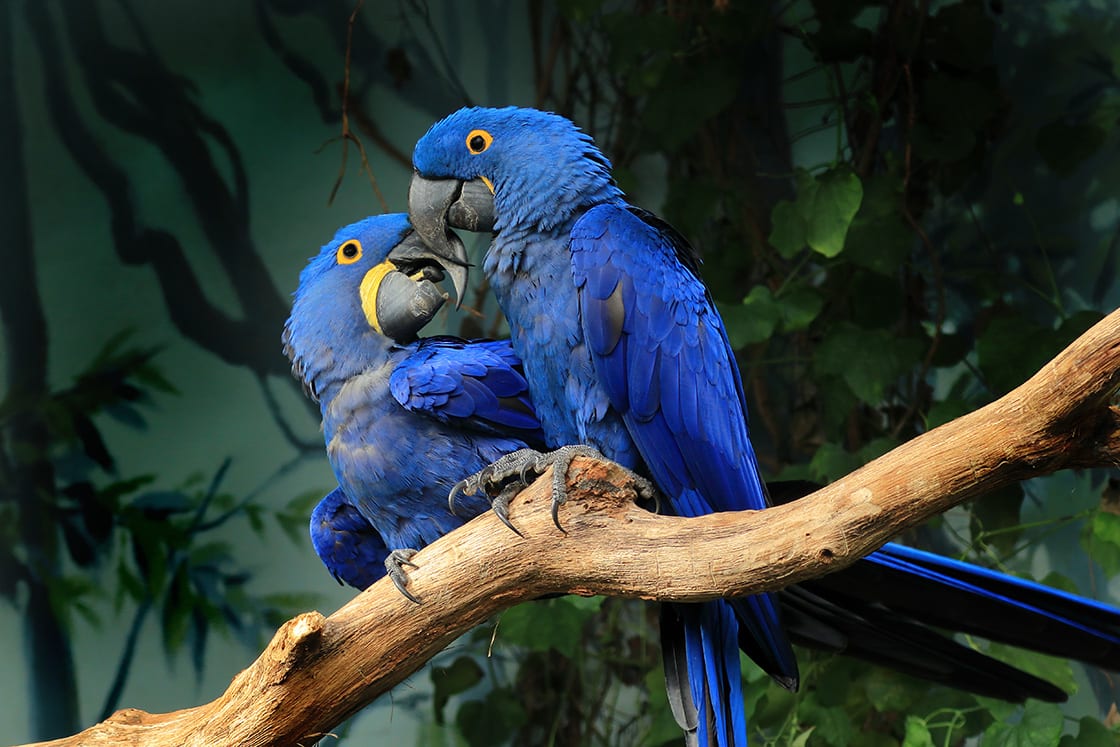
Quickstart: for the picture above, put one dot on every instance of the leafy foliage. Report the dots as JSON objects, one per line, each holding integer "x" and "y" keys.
{"x": 154, "y": 543}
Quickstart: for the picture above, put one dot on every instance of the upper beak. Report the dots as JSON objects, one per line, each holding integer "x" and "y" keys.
{"x": 437, "y": 205}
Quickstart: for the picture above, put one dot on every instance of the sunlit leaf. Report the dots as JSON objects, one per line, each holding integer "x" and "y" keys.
{"x": 1040, "y": 723}
{"x": 917, "y": 733}
{"x": 828, "y": 212}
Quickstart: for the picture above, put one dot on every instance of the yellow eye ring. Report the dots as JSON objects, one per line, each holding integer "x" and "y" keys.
{"x": 478, "y": 141}
{"x": 349, "y": 253}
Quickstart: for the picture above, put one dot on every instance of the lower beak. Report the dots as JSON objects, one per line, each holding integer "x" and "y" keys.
{"x": 437, "y": 205}
{"x": 404, "y": 306}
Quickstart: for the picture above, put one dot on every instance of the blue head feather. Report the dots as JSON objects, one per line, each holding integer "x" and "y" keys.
{"x": 543, "y": 168}
{"x": 327, "y": 336}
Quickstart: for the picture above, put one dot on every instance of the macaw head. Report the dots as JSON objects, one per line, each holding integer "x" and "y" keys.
{"x": 373, "y": 285}
{"x": 499, "y": 169}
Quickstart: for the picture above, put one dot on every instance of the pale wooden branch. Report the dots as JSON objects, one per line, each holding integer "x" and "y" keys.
{"x": 317, "y": 671}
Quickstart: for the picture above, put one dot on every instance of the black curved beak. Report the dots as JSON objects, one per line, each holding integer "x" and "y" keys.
{"x": 437, "y": 205}
{"x": 409, "y": 297}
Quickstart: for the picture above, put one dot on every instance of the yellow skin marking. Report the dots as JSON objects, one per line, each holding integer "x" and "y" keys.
{"x": 477, "y": 142}
{"x": 367, "y": 291}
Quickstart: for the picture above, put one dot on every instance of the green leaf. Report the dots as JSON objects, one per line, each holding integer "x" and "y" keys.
{"x": 832, "y": 462}
{"x": 917, "y": 733}
{"x": 787, "y": 229}
{"x": 177, "y": 611}
{"x": 879, "y": 238}
{"x": 773, "y": 708}
{"x": 1040, "y": 724}
{"x": 802, "y": 739}
{"x": 999, "y": 710}
{"x": 888, "y": 691}
{"x": 493, "y": 721}
{"x": 799, "y": 307}
{"x": 1091, "y": 733}
{"x": 151, "y": 376}
{"x": 129, "y": 584}
{"x": 831, "y": 723}
{"x": 1050, "y": 668}
{"x": 539, "y": 626}
{"x": 1102, "y": 541}
{"x": 869, "y": 361}
{"x": 457, "y": 677}
{"x": 1013, "y": 348}
{"x": 830, "y": 209}
{"x": 754, "y": 320}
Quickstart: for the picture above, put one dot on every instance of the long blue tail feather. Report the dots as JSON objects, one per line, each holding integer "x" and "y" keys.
{"x": 947, "y": 593}
{"x": 1088, "y": 612}
{"x": 711, "y": 635}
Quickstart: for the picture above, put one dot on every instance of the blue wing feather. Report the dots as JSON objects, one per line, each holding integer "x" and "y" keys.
{"x": 664, "y": 361}
{"x": 475, "y": 384}
{"x": 698, "y": 400}
{"x": 349, "y": 546}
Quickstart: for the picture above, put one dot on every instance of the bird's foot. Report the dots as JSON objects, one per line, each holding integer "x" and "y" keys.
{"x": 395, "y": 565}
{"x": 509, "y": 475}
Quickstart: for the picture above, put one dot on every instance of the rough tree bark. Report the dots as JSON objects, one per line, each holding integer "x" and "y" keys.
{"x": 317, "y": 671}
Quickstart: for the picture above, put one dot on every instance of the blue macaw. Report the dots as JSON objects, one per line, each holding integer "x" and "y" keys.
{"x": 352, "y": 341}
{"x": 457, "y": 402}
{"x": 625, "y": 352}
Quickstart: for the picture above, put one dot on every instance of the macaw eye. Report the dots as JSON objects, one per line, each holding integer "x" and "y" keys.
{"x": 478, "y": 141}
{"x": 349, "y": 253}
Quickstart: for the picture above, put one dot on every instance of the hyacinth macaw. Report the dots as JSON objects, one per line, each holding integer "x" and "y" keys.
{"x": 625, "y": 352}
{"x": 449, "y": 391}
{"x": 352, "y": 341}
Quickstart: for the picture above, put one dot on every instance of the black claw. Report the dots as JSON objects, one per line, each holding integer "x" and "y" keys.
{"x": 556, "y": 515}
{"x": 404, "y": 591}
{"x": 394, "y": 566}
{"x": 500, "y": 506}
{"x": 456, "y": 491}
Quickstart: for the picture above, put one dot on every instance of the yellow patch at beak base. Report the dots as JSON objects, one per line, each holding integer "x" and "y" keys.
{"x": 367, "y": 291}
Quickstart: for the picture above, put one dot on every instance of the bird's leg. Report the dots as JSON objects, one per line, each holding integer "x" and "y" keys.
{"x": 510, "y": 474}
{"x": 394, "y": 566}
{"x": 489, "y": 481}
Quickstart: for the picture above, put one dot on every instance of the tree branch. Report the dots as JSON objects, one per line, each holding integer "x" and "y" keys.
{"x": 317, "y": 671}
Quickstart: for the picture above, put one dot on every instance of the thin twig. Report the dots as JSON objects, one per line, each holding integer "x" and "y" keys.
{"x": 347, "y": 135}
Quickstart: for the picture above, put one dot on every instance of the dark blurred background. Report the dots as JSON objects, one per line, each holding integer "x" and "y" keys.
{"x": 904, "y": 209}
